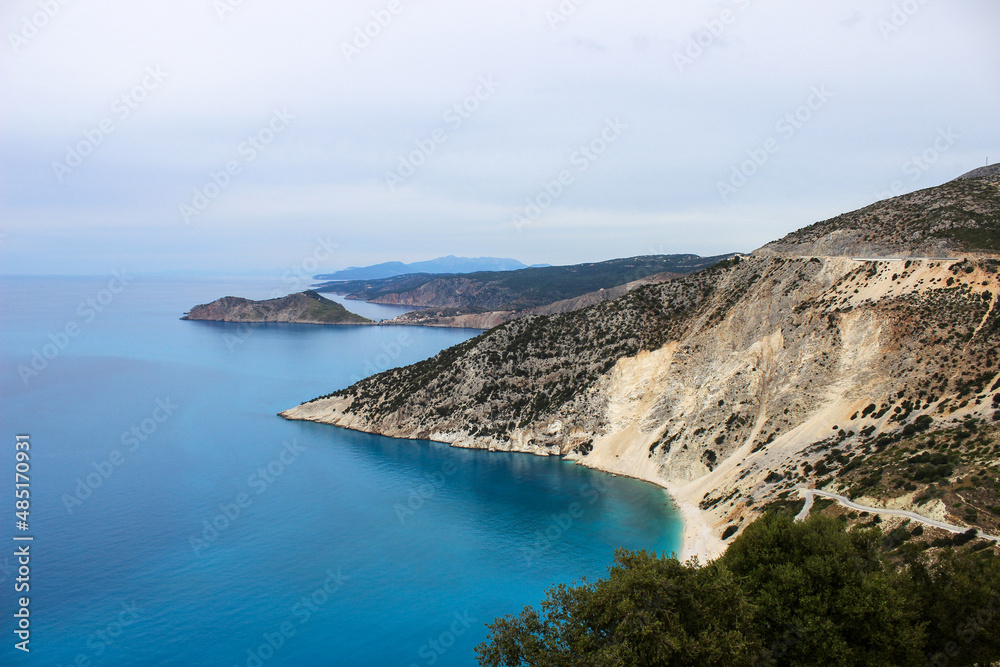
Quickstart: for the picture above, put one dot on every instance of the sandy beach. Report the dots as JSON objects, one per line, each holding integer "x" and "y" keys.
{"x": 698, "y": 538}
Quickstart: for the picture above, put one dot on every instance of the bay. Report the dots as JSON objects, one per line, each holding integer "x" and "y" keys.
{"x": 178, "y": 521}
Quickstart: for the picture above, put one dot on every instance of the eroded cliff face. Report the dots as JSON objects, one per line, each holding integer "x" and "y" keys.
{"x": 721, "y": 385}
{"x": 729, "y": 417}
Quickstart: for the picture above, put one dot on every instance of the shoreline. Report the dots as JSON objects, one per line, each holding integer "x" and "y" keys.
{"x": 697, "y": 537}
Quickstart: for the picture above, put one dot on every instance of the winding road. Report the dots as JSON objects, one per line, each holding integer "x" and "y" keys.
{"x": 903, "y": 259}
{"x": 810, "y": 495}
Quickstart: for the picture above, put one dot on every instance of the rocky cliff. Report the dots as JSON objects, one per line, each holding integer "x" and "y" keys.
{"x": 795, "y": 365}
{"x": 302, "y": 308}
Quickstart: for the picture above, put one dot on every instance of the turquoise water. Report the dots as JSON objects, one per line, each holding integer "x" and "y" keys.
{"x": 178, "y": 521}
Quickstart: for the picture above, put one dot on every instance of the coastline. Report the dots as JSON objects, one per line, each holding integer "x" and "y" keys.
{"x": 185, "y": 318}
{"x": 698, "y": 540}
{"x": 697, "y": 537}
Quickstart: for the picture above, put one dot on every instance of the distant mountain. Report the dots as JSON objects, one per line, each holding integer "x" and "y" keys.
{"x": 518, "y": 291}
{"x": 449, "y": 264}
{"x": 302, "y": 308}
{"x": 846, "y": 356}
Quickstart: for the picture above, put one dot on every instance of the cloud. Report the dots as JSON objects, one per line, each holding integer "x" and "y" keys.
{"x": 369, "y": 86}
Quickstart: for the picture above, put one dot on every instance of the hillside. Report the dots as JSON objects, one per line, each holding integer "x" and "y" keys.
{"x": 735, "y": 385}
{"x": 449, "y": 264}
{"x": 302, "y": 308}
{"x": 514, "y": 290}
{"x": 946, "y": 221}
{"x": 456, "y": 317}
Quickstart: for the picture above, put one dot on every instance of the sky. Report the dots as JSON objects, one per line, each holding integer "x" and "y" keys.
{"x": 244, "y": 136}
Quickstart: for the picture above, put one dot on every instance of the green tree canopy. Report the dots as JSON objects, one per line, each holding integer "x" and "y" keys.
{"x": 785, "y": 593}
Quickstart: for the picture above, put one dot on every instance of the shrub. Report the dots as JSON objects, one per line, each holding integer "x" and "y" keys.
{"x": 965, "y": 537}
{"x": 785, "y": 593}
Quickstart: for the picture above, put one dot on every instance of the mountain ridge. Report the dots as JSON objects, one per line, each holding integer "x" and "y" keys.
{"x": 487, "y": 320}
{"x": 957, "y": 218}
{"x": 733, "y": 385}
{"x": 449, "y": 264}
{"x": 521, "y": 290}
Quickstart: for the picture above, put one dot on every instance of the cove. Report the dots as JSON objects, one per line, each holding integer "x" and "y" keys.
{"x": 333, "y": 547}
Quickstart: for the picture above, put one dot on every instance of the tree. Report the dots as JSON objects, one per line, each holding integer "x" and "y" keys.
{"x": 785, "y": 593}
{"x": 649, "y": 611}
{"x": 959, "y": 598}
{"x": 829, "y": 589}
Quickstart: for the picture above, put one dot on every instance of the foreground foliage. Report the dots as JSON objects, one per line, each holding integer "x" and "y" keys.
{"x": 785, "y": 593}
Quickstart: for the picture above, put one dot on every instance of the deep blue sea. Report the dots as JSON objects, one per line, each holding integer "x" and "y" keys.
{"x": 178, "y": 521}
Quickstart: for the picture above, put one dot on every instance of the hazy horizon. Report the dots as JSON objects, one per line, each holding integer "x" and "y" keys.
{"x": 239, "y": 137}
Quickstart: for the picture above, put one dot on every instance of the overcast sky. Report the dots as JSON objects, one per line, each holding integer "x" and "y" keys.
{"x": 248, "y": 135}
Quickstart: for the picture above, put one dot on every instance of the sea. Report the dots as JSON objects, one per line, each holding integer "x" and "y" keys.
{"x": 175, "y": 519}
